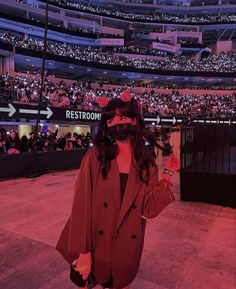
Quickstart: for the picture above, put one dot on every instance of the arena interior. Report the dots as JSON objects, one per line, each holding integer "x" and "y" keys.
{"x": 177, "y": 58}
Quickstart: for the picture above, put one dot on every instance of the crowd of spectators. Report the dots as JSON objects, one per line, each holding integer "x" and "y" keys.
{"x": 155, "y": 16}
{"x": 166, "y": 3}
{"x": 80, "y": 30}
{"x": 214, "y": 63}
{"x": 78, "y": 96}
{"x": 10, "y": 143}
{"x": 159, "y": 82}
{"x": 189, "y": 105}
{"x": 141, "y": 51}
{"x": 27, "y": 91}
{"x": 190, "y": 3}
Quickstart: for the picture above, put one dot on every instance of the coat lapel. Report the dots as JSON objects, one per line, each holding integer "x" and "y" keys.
{"x": 133, "y": 187}
{"x": 114, "y": 183}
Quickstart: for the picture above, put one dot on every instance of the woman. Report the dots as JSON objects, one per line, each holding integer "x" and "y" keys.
{"x": 116, "y": 190}
{"x": 13, "y": 143}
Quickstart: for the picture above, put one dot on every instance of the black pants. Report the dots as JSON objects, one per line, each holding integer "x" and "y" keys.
{"x": 77, "y": 279}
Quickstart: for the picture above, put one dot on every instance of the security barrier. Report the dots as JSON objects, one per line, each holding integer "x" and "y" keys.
{"x": 32, "y": 164}
{"x": 208, "y": 164}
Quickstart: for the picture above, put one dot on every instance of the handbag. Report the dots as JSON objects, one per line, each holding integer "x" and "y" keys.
{"x": 77, "y": 279}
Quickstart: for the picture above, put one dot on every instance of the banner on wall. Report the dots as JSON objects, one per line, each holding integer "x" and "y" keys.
{"x": 15, "y": 112}
{"x": 18, "y": 111}
{"x": 110, "y": 41}
{"x": 165, "y": 47}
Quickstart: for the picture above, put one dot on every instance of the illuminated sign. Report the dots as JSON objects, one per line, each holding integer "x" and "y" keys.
{"x": 82, "y": 115}
{"x": 24, "y": 111}
{"x": 17, "y": 112}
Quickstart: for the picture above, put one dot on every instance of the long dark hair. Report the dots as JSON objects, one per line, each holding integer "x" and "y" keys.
{"x": 107, "y": 148}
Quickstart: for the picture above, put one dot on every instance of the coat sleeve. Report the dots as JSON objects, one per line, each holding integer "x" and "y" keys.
{"x": 80, "y": 227}
{"x": 75, "y": 237}
{"x": 157, "y": 196}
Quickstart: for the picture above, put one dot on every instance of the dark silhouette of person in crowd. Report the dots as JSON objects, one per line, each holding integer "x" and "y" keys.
{"x": 32, "y": 143}
{"x": 35, "y": 142}
{"x": 13, "y": 143}
{"x": 87, "y": 140}
{"x": 79, "y": 142}
{"x": 2, "y": 143}
{"x": 73, "y": 140}
{"x": 51, "y": 140}
{"x": 61, "y": 143}
{"x": 24, "y": 144}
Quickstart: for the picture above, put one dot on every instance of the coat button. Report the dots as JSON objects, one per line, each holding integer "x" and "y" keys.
{"x": 134, "y": 206}
{"x": 105, "y": 204}
{"x": 100, "y": 232}
{"x": 134, "y": 236}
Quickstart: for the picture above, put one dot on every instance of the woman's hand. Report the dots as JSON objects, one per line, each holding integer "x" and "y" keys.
{"x": 173, "y": 163}
{"x": 83, "y": 265}
{"x": 166, "y": 178}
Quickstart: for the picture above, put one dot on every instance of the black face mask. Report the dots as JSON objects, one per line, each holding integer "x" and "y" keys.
{"x": 121, "y": 131}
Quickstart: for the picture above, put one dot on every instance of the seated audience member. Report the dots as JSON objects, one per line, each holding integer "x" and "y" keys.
{"x": 64, "y": 101}
{"x": 54, "y": 98}
{"x": 24, "y": 97}
{"x": 13, "y": 143}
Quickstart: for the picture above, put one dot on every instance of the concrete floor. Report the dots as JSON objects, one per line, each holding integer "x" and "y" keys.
{"x": 188, "y": 246}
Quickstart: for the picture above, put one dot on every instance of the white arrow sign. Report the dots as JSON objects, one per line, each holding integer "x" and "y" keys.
{"x": 47, "y": 112}
{"x": 227, "y": 121}
{"x": 150, "y": 119}
{"x": 167, "y": 120}
{"x": 11, "y": 109}
{"x": 173, "y": 120}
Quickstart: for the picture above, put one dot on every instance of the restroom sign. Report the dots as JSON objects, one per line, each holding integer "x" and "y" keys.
{"x": 82, "y": 115}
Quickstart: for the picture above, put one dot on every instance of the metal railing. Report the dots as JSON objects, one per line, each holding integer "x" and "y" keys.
{"x": 209, "y": 149}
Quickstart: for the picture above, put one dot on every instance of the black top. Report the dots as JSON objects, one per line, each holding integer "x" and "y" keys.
{"x": 123, "y": 182}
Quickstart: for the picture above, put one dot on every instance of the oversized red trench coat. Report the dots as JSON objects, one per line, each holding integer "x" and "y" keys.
{"x": 112, "y": 231}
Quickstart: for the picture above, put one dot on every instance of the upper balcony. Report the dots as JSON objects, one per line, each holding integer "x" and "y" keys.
{"x": 171, "y": 4}
{"x": 222, "y": 65}
{"x": 169, "y": 14}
